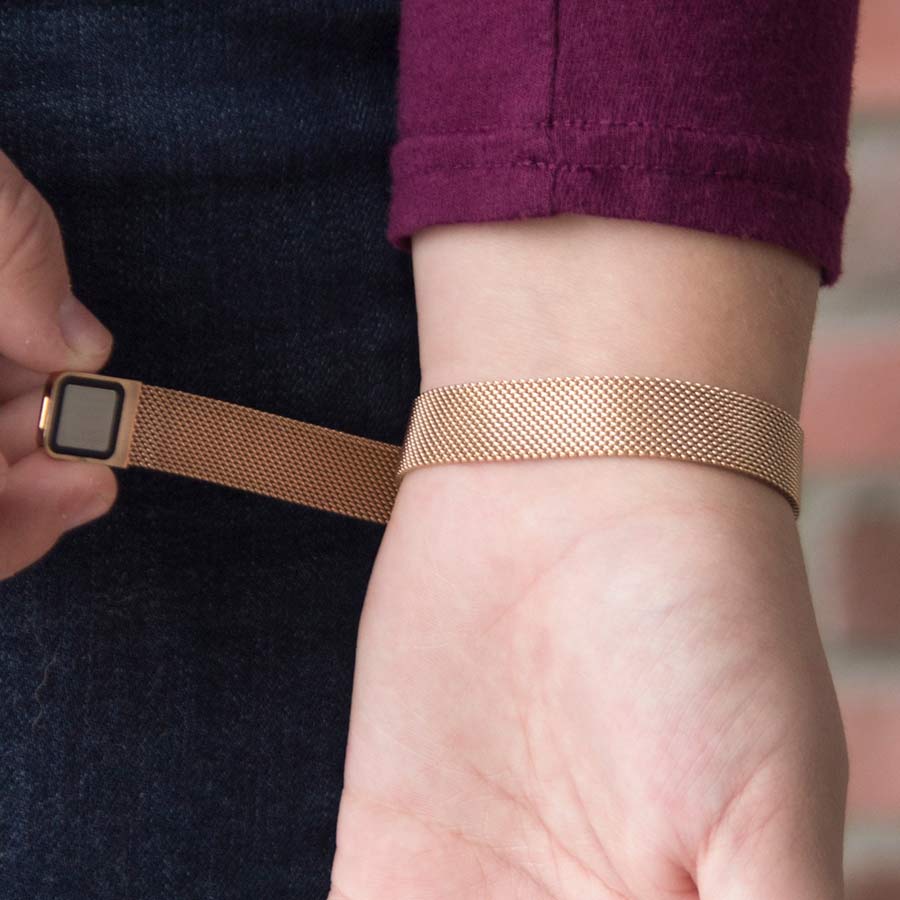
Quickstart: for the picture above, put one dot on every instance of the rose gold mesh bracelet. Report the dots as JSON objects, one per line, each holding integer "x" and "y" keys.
{"x": 121, "y": 422}
{"x": 577, "y": 416}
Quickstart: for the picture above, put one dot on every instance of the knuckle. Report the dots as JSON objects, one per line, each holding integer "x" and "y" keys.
{"x": 28, "y": 229}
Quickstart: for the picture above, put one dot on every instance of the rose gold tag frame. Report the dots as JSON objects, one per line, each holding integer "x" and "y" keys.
{"x": 50, "y": 406}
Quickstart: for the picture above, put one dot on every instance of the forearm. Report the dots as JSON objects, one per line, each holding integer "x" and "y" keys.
{"x": 581, "y": 295}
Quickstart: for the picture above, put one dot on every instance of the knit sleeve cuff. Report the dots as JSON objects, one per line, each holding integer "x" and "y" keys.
{"x": 790, "y": 193}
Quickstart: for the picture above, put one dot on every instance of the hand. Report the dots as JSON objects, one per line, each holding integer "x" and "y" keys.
{"x": 590, "y": 678}
{"x": 595, "y": 677}
{"x": 43, "y": 328}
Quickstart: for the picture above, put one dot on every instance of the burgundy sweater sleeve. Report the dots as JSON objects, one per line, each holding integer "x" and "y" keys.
{"x": 727, "y": 116}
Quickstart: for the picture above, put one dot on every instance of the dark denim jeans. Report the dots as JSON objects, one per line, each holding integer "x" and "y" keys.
{"x": 175, "y": 679}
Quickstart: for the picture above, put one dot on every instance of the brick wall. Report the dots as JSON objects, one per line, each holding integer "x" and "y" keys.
{"x": 851, "y": 519}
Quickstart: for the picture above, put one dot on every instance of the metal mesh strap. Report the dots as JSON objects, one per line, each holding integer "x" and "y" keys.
{"x": 481, "y": 422}
{"x": 267, "y": 454}
{"x": 606, "y": 416}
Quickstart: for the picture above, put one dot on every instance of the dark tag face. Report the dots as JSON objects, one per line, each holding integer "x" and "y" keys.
{"x": 87, "y": 418}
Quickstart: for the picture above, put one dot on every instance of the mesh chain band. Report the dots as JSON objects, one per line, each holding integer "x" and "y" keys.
{"x": 232, "y": 445}
{"x": 606, "y": 416}
{"x": 212, "y": 440}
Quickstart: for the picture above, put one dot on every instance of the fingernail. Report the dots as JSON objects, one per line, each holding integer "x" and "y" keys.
{"x": 81, "y": 329}
{"x": 93, "y": 509}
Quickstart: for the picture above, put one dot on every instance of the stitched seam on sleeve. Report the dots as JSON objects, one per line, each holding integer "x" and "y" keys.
{"x": 551, "y": 97}
{"x": 605, "y": 124}
{"x": 722, "y": 175}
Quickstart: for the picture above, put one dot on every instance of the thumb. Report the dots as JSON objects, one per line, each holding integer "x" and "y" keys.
{"x": 787, "y": 847}
{"x": 42, "y": 325}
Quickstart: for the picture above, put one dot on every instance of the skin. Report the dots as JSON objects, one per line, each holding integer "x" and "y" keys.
{"x": 575, "y": 678}
{"x": 595, "y": 677}
{"x": 43, "y": 328}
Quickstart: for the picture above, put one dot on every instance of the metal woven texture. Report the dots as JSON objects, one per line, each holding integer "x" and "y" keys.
{"x": 606, "y": 416}
{"x": 267, "y": 454}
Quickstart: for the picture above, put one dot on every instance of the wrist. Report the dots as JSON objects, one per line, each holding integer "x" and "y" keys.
{"x": 580, "y": 295}
{"x": 555, "y": 502}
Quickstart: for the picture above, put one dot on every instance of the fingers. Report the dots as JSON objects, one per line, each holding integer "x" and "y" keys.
{"x": 18, "y": 425}
{"x": 42, "y": 326}
{"x": 41, "y": 499}
{"x": 15, "y": 380}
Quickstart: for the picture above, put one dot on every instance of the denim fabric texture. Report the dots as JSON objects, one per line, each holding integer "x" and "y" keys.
{"x": 175, "y": 679}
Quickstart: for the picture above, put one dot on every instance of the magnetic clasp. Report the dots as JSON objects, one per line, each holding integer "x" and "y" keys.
{"x": 86, "y": 416}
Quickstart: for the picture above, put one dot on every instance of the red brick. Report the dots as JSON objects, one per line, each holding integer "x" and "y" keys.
{"x": 864, "y": 594}
{"x": 871, "y": 257}
{"x": 877, "y": 72}
{"x": 851, "y": 408}
{"x": 872, "y": 722}
{"x": 875, "y": 887}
